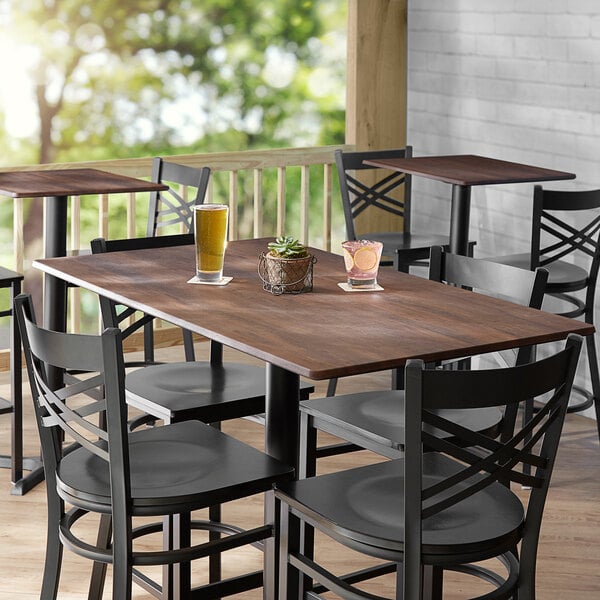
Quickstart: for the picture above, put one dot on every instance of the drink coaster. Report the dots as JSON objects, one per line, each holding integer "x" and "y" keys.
{"x": 372, "y": 288}
{"x": 222, "y": 281}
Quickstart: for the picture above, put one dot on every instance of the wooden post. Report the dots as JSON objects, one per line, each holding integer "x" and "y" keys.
{"x": 376, "y": 85}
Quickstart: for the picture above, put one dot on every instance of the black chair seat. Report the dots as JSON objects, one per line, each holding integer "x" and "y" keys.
{"x": 197, "y": 390}
{"x": 562, "y": 276}
{"x": 173, "y": 469}
{"x": 375, "y": 420}
{"x": 365, "y": 505}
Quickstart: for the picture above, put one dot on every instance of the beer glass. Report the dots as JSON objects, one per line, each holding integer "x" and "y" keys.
{"x": 210, "y": 228}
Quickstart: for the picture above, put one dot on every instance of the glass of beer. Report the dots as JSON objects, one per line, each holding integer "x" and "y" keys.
{"x": 210, "y": 227}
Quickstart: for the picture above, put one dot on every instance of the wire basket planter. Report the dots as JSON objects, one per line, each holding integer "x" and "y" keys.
{"x": 286, "y": 275}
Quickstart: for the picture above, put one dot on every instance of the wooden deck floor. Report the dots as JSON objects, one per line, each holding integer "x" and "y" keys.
{"x": 569, "y": 567}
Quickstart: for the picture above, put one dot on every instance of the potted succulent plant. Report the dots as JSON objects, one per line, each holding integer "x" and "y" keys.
{"x": 287, "y": 267}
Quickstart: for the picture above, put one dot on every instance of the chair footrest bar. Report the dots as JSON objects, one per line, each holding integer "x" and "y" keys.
{"x": 328, "y": 580}
{"x": 228, "y": 587}
{"x": 362, "y": 575}
{"x": 336, "y": 449}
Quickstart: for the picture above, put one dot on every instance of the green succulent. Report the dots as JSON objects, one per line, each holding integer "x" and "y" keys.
{"x": 287, "y": 247}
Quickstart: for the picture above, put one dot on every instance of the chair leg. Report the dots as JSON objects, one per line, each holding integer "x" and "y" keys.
{"x": 289, "y": 577}
{"x": 214, "y": 561}
{"x": 99, "y": 569}
{"x": 54, "y": 551}
{"x": 590, "y": 342}
{"x": 307, "y": 468}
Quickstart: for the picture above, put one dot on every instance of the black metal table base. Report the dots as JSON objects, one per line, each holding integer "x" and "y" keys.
{"x": 26, "y": 482}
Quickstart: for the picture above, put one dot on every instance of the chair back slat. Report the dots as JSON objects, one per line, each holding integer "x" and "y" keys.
{"x": 376, "y": 195}
{"x": 71, "y": 410}
{"x": 358, "y": 196}
{"x": 114, "y": 314}
{"x": 555, "y": 235}
{"x": 568, "y": 238}
{"x": 170, "y": 207}
{"x": 476, "y": 460}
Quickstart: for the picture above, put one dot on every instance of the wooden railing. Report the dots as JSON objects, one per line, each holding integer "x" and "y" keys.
{"x": 260, "y": 180}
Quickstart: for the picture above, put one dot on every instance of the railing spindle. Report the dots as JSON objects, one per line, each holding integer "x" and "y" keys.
{"x": 304, "y": 203}
{"x": 281, "y": 200}
{"x": 258, "y": 203}
{"x": 233, "y": 205}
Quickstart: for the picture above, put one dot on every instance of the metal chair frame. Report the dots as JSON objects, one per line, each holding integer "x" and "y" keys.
{"x": 447, "y": 503}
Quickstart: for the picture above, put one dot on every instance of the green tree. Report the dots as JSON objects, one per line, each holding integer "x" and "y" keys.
{"x": 117, "y": 79}
{"x": 114, "y": 79}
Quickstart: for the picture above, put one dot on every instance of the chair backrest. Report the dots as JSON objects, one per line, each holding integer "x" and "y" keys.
{"x": 87, "y": 411}
{"x": 113, "y": 314}
{"x": 556, "y": 236}
{"x": 382, "y": 193}
{"x": 473, "y": 461}
{"x": 505, "y": 281}
{"x": 511, "y": 283}
{"x": 173, "y": 206}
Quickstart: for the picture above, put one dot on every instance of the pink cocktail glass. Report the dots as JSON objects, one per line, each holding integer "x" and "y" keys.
{"x": 362, "y": 258}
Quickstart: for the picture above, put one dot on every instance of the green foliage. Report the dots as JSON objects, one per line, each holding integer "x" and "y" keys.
{"x": 121, "y": 79}
{"x": 287, "y": 247}
{"x": 112, "y": 79}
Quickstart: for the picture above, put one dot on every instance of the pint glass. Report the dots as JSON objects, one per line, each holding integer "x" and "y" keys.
{"x": 210, "y": 227}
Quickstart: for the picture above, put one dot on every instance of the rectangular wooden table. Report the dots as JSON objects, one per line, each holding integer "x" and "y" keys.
{"x": 464, "y": 171}
{"x": 319, "y": 335}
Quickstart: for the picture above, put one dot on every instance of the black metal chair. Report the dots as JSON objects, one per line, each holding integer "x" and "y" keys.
{"x": 374, "y": 420}
{"x": 387, "y": 191}
{"x": 158, "y": 472}
{"x": 447, "y": 503}
{"x": 565, "y": 240}
{"x": 172, "y": 207}
{"x": 172, "y": 212}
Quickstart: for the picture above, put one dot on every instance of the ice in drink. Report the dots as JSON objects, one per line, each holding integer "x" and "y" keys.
{"x": 210, "y": 226}
{"x": 362, "y": 258}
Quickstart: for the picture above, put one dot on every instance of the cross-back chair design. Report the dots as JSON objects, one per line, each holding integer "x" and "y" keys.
{"x": 447, "y": 503}
{"x": 174, "y": 206}
{"x": 391, "y": 193}
{"x": 374, "y": 419}
{"x": 157, "y": 472}
{"x": 172, "y": 212}
{"x": 565, "y": 240}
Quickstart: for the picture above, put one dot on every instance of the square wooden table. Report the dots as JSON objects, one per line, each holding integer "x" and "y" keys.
{"x": 56, "y": 185}
{"x": 319, "y": 335}
{"x": 464, "y": 171}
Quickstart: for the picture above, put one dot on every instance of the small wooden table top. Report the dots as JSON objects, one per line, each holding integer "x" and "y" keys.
{"x": 470, "y": 169}
{"x": 70, "y": 182}
{"x": 464, "y": 171}
{"x": 322, "y": 334}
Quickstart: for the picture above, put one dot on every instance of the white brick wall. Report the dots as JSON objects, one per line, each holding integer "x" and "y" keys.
{"x": 517, "y": 80}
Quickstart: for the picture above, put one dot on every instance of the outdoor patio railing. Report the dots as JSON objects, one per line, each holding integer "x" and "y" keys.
{"x": 269, "y": 192}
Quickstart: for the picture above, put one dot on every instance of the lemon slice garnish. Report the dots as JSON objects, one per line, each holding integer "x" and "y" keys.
{"x": 365, "y": 259}
{"x": 348, "y": 260}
